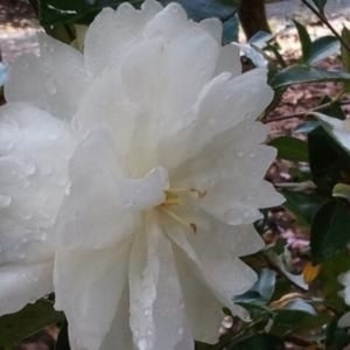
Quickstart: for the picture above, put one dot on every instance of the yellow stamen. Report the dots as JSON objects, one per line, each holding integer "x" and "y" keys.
{"x": 190, "y": 225}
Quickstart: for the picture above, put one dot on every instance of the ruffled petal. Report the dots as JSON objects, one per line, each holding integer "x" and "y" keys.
{"x": 88, "y": 287}
{"x": 23, "y": 284}
{"x": 223, "y": 103}
{"x": 112, "y": 33}
{"x": 220, "y": 270}
{"x": 231, "y": 170}
{"x": 229, "y": 60}
{"x": 92, "y": 214}
{"x": 157, "y": 315}
{"x": 55, "y": 81}
{"x": 120, "y": 332}
{"x": 34, "y": 153}
{"x": 202, "y": 308}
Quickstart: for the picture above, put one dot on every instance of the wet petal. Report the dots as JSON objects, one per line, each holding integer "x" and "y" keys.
{"x": 88, "y": 287}
{"x": 23, "y": 284}
{"x": 55, "y": 81}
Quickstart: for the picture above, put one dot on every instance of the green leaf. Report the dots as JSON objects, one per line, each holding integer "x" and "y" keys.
{"x": 334, "y": 110}
{"x": 303, "y": 205}
{"x": 290, "y": 148}
{"x": 31, "y": 319}
{"x": 259, "y": 342}
{"x": 327, "y": 280}
{"x": 290, "y": 321}
{"x": 322, "y": 48}
{"x": 336, "y": 338}
{"x": 328, "y": 161}
{"x": 302, "y": 73}
{"x": 320, "y": 4}
{"x": 305, "y": 40}
{"x": 330, "y": 230}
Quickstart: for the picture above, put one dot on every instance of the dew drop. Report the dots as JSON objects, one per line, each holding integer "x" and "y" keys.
{"x": 252, "y": 155}
{"x": 230, "y": 216}
{"x": 240, "y": 154}
{"x": 5, "y": 201}
{"x": 180, "y": 331}
{"x": 142, "y": 344}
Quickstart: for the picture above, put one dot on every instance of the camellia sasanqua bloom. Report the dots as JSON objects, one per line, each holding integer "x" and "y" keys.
{"x": 130, "y": 178}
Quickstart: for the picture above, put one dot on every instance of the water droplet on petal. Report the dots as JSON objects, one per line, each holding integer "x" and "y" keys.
{"x": 240, "y": 154}
{"x": 230, "y": 216}
{"x": 5, "y": 201}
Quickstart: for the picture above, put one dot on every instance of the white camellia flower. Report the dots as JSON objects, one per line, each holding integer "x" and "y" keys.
{"x": 130, "y": 176}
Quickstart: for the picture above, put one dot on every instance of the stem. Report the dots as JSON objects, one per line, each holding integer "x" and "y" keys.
{"x": 305, "y": 113}
{"x": 324, "y": 20}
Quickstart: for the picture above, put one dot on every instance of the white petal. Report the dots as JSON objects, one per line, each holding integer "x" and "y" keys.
{"x": 202, "y": 308}
{"x": 218, "y": 267}
{"x": 112, "y": 33}
{"x": 92, "y": 214}
{"x": 223, "y": 103}
{"x": 54, "y": 81}
{"x": 120, "y": 332}
{"x": 167, "y": 23}
{"x": 140, "y": 73}
{"x": 192, "y": 45}
{"x": 23, "y": 284}
{"x": 106, "y": 105}
{"x": 33, "y": 176}
{"x": 229, "y": 60}
{"x": 230, "y": 170}
{"x": 156, "y": 307}
{"x": 214, "y": 27}
{"x": 88, "y": 287}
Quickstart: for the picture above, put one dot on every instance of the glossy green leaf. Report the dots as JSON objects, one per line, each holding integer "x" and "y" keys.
{"x": 290, "y": 148}
{"x": 336, "y": 338}
{"x": 289, "y": 321}
{"x": 303, "y": 205}
{"x": 327, "y": 280}
{"x": 18, "y": 326}
{"x": 305, "y": 40}
{"x": 328, "y": 161}
{"x": 334, "y": 110}
{"x": 322, "y": 48}
{"x": 330, "y": 230}
{"x": 302, "y": 73}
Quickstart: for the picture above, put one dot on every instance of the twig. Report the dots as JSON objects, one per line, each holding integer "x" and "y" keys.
{"x": 315, "y": 109}
{"x": 324, "y": 19}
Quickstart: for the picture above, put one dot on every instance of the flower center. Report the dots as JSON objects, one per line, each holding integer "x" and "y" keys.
{"x": 173, "y": 198}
